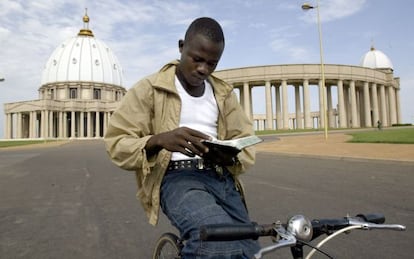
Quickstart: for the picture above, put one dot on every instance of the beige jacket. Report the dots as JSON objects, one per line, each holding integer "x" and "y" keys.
{"x": 153, "y": 106}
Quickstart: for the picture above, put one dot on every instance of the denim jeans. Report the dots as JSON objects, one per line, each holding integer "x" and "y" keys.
{"x": 191, "y": 198}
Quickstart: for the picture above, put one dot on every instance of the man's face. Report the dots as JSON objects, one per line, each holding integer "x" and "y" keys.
{"x": 199, "y": 58}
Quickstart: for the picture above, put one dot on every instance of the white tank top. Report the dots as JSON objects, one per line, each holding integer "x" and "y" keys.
{"x": 200, "y": 113}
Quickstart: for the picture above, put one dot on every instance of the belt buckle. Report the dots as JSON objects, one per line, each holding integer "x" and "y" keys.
{"x": 219, "y": 169}
{"x": 200, "y": 164}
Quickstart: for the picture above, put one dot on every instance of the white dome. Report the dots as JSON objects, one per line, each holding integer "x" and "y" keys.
{"x": 83, "y": 58}
{"x": 375, "y": 59}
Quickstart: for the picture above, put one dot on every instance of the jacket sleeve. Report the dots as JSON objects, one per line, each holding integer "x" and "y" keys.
{"x": 130, "y": 128}
{"x": 239, "y": 125}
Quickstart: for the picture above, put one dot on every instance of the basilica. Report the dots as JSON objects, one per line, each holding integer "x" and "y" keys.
{"x": 81, "y": 86}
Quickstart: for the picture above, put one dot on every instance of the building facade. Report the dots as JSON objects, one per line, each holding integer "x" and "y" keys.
{"x": 81, "y": 86}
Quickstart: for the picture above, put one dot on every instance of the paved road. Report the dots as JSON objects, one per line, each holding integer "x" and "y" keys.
{"x": 69, "y": 201}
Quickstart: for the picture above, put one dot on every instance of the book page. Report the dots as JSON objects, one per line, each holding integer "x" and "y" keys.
{"x": 239, "y": 143}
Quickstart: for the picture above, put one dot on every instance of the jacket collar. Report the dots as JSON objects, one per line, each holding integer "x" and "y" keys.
{"x": 166, "y": 80}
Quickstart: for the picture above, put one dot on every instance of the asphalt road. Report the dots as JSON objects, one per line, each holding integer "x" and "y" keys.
{"x": 70, "y": 201}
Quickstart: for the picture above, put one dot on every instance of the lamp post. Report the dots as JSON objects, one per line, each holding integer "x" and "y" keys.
{"x": 306, "y": 7}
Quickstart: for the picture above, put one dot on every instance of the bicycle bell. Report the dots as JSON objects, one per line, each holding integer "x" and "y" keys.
{"x": 300, "y": 227}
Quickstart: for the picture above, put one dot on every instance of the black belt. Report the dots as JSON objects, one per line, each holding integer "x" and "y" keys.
{"x": 199, "y": 164}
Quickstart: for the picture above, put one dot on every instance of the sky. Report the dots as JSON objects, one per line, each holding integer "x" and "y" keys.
{"x": 144, "y": 35}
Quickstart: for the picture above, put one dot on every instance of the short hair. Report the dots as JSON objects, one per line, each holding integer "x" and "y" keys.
{"x": 207, "y": 27}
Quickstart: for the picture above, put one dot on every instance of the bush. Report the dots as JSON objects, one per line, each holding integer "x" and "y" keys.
{"x": 401, "y": 124}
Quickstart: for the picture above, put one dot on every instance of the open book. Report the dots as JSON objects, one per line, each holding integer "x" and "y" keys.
{"x": 232, "y": 145}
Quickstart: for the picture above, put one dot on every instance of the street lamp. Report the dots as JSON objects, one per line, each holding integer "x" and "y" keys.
{"x": 306, "y": 7}
{"x": 1, "y": 79}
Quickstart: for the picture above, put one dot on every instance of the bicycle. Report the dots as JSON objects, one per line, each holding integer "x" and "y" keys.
{"x": 296, "y": 233}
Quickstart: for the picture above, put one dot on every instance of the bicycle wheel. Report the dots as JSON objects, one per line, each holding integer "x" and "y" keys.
{"x": 168, "y": 246}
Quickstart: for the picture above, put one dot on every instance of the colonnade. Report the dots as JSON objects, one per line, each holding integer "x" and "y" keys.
{"x": 363, "y": 96}
{"x": 56, "y": 124}
{"x": 356, "y": 106}
{"x": 64, "y": 110}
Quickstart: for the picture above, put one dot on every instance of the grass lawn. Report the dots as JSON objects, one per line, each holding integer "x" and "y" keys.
{"x": 14, "y": 143}
{"x": 393, "y": 136}
{"x": 390, "y": 135}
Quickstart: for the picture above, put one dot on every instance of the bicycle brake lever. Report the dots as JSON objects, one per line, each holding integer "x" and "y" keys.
{"x": 287, "y": 240}
{"x": 387, "y": 226}
{"x": 369, "y": 226}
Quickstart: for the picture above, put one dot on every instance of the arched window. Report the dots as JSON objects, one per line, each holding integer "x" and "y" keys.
{"x": 96, "y": 94}
{"x": 73, "y": 93}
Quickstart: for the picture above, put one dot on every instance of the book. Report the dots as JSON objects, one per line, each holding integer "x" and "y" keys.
{"x": 232, "y": 145}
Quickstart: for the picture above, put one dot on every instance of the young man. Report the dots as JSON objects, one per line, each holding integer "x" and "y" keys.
{"x": 158, "y": 131}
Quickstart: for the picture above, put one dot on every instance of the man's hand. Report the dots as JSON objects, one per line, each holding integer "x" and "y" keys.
{"x": 183, "y": 140}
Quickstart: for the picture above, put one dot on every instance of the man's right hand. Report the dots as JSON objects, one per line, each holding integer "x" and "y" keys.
{"x": 184, "y": 140}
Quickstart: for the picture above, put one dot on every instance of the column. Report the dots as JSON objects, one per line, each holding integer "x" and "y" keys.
{"x": 60, "y": 128}
{"x": 278, "y": 108}
{"x": 341, "y": 105}
{"x": 72, "y": 124}
{"x": 306, "y": 105}
{"x": 30, "y": 124}
{"x": 42, "y": 124}
{"x": 331, "y": 118}
{"x": 347, "y": 105}
{"x": 7, "y": 126}
{"x": 88, "y": 125}
{"x": 246, "y": 99}
{"x": 34, "y": 126}
{"x": 367, "y": 106}
{"x": 298, "y": 109}
{"x": 354, "y": 116}
{"x": 269, "y": 114}
{"x": 285, "y": 109}
{"x": 97, "y": 126}
{"x": 105, "y": 124}
{"x": 19, "y": 125}
{"x": 82, "y": 124}
{"x": 46, "y": 132}
{"x": 374, "y": 98}
{"x": 51, "y": 124}
{"x": 11, "y": 124}
{"x": 65, "y": 124}
{"x": 322, "y": 105}
{"x": 392, "y": 108}
{"x": 37, "y": 122}
{"x": 398, "y": 104}
{"x": 384, "y": 117}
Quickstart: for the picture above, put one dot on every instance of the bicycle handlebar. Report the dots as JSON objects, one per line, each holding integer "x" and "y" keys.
{"x": 230, "y": 232}
{"x": 365, "y": 221}
{"x": 289, "y": 234}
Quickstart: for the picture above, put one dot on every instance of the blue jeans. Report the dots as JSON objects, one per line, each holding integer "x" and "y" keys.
{"x": 191, "y": 198}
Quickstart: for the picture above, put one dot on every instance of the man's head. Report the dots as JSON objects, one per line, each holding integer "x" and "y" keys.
{"x": 207, "y": 27}
{"x": 200, "y": 51}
